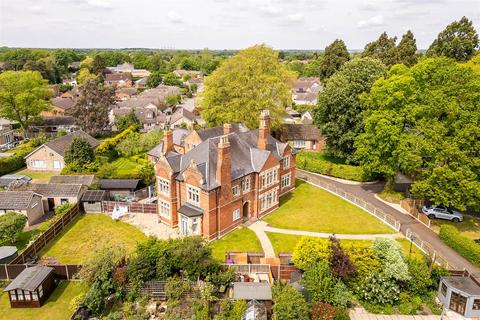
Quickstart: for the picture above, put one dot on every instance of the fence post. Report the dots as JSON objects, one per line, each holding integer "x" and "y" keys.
{"x": 6, "y": 272}
{"x": 66, "y": 271}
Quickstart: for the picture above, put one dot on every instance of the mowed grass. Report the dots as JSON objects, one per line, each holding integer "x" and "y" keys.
{"x": 311, "y": 208}
{"x": 128, "y": 167}
{"x": 39, "y": 176}
{"x": 241, "y": 240}
{"x": 287, "y": 243}
{"x": 56, "y": 307}
{"x": 88, "y": 233}
{"x": 469, "y": 227}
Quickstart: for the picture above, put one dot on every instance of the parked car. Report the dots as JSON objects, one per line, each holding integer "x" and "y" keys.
{"x": 442, "y": 212}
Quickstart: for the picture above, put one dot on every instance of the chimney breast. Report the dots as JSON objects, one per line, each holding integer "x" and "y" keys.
{"x": 224, "y": 167}
{"x": 167, "y": 141}
{"x": 227, "y": 128}
{"x": 264, "y": 130}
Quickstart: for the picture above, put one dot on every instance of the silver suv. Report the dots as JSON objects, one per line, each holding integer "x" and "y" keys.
{"x": 442, "y": 212}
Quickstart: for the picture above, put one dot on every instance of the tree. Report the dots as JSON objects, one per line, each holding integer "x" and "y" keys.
{"x": 154, "y": 79}
{"x": 11, "y": 224}
{"x": 407, "y": 49}
{"x": 171, "y": 79}
{"x": 46, "y": 67}
{"x": 382, "y": 49}
{"x": 424, "y": 121}
{"x": 288, "y": 303}
{"x": 125, "y": 121}
{"x": 339, "y": 112}
{"x": 98, "y": 64}
{"x": 340, "y": 263}
{"x": 79, "y": 154}
{"x": 91, "y": 109}
{"x": 474, "y": 63}
{"x": 23, "y": 96}
{"x": 319, "y": 282}
{"x": 83, "y": 75}
{"x": 458, "y": 41}
{"x": 390, "y": 253}
{"x": 336, "y": 54}
{"x": 249, "y": 82}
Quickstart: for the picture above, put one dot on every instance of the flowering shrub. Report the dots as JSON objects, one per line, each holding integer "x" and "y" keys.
{"x": 390, "y": 253}
{"x": 379, "y": 289}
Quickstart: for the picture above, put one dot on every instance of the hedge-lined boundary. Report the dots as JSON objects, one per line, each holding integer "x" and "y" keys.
{"x": 466, "y": 247}
{"x": 15, "y": 162}
{"x": 313, "y": 162}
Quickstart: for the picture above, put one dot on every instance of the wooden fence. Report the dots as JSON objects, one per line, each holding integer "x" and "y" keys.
{"x": 31, "y": 252}
{"x": 412, "y": 206}
{"x": 62, "y": 272}
{"x": 134, "y": 207}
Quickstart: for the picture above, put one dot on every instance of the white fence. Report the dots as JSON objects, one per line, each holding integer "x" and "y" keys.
{"x": 428, "y": 250}
{"x": 367, "y": 206}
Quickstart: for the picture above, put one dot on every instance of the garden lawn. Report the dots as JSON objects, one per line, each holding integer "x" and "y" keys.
{"x": 469, "y": 227}
{"x": 287, "y": 242}
{"x": 56, "y": 307}
{"x": 311, "y": 208}
{"x": 127, "y": 167}
{"x": 88, "y": 233}
{"x": 40, "y": 176}
{"x": 240, "y": 240}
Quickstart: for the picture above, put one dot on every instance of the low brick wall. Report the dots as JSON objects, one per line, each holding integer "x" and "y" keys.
{"x": 134, "y": 207}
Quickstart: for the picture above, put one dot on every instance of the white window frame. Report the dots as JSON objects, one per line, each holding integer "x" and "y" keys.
{"x": 286, "y": 162}
{"x": 165, "y": 208}
{"x": 236, "y": 191}
{"x": 299, "y": 144}
{"x": 35, "y": 164}
{"x": 193, "y": 195}
{"x": 268, "y": 199}
{"x": 269, "y": 177}
{"x": 236, "y": 215}
{"x": 57, "y": 164}
{"x": 286, "y": 180}
{"x": 246, "y": 184}
{"x": 163, "y": 186}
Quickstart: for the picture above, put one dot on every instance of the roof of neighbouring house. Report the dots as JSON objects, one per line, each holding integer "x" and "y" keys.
{"x": 15, "y": 200}
{"x": 94, "y": 195}
{"x": 182, "y": 113}
{"x": 119, "y": 184}
{"x": 86, "y": 180}
{"x": 190, "y": 210}
{"x": 218, "y": 131}
{"x": 8, "y": 178}
{"x": 464, "y": 284}
{"x": 179, "y": 135}
{"x": 56, "y": 121}
{"x": 30, "y": 278}
{"x": 252, "y": 291}
{"x": 63, "y": 103}
{"x": 300, "y": 132}
{"x": 52, "y": 190}
{"x": 59, "y": 145}
{"x": 307, "y": 96}
{"x": 117, "y": 77}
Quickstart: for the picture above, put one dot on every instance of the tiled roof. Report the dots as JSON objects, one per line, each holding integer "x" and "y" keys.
{"x": 299, "y": 132}
{"x": 116, "y": 184}
{"x": 59, "y": 145}
{"x": 52, "y": 190}
{"x": 114, "y": 77}
{"x": 182, "y": 113}
{"x": 86, "y": 180}
{"x": 190, "y": 210}
{"x": 63, "y": 103}
{"x": 94, "y": 195}
{"x": 30, "y": 278}
{"x": 15, "y": 200}
{"x": 218, "y": 131}
{"x": 57, "y": 121}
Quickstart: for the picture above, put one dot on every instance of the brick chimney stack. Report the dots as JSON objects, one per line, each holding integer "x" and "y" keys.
{"x": 167, "y": 141}
{"x": 264, "y": 130}
{"x": 224, "y": 166}
{"x": 227, "y": 128}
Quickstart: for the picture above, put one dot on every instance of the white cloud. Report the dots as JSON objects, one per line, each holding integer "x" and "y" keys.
{"x": 174, "y": 17}
{"x": 295, "y": 17}
{"x": 371, "y": 22}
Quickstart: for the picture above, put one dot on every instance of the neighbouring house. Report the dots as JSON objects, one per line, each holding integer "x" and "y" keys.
{"x": 118, "y": 79}
{"x": 225, "y": 180}
{"x": 125, "y": 93}
{"x": 306, "y": 117}
{"x": 460, "y": 294}
{"x": 49, "y": 156}
{"x": 184, "y": 118}
{"x": 141, "y": 83}
{"x": 86, "y": 180}
{"x": 32, "y": 287}
{"x": 302, "y": 136}
{"x": 74, "y": 65}
{"x": 7, "y": 133}
{"x": 61, "y": 106}
{"x": 129, "y": 68}
{"x": 53, "y": 194}
{"x": 192, "y": 73}
{"x": 149, "y": 116}
{"x": 179, "y": 135}
{"x": 92, "y": 200}
{"x": 7, "y": 254}
{"x": 120, "y": 188}
{"x": 190, "y": 104}
{"x": 27, "y": 203}
{"x": 259, "y": 292}
{"x": 305, "y": 91}
{"x": 5, "y": 180}
{"x": 196, "y": 137}
{"x": 50, "y": 126}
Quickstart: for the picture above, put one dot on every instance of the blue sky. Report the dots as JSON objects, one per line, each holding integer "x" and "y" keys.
{"x": 223, "y": 24}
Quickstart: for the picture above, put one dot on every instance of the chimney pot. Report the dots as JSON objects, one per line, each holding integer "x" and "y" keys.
{"x": 227, "y": 128}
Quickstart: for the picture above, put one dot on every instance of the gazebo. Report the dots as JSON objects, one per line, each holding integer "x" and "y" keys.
{"x": 460, "y": 294}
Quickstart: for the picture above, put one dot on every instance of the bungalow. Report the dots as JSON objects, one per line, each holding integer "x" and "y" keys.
{"x": 32, "y": 287}
{"x": 50, "y": 156}
{"x": 302, "y": 136}
{"x": 50, "y": 126}
{"x": 27, "y": 203}
{"x": 184, "y": 118}
{"x": 86, "y": 180}
{"x": 118, "y": 79}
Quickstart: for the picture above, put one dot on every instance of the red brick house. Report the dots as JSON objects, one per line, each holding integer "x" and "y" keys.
{"x": 223, "y": 181}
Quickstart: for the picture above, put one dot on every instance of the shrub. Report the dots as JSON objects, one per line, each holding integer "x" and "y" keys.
{"x": 466, "y": 247}
{"x": 320, "y": 282}
{"x": 288, "y": 303}
{"x": 176, "y": 287}
{"x": 11, "y": 224}
{"x": 323, "y": 311}
{"x": 340, "y": 263}
{"x": 317, "y": 162}
{"x": 107, "y": 147}
{"x": 308, "y": 251}
{"x": 390, "y": 253}
{"x": 342, "y": 314}
{"x": 379, "y": 289}
{"x": 409, "y": 304}
{"x": 341, "y": 296}
{"x": 420, "y": 281}
{"x": 17, "y": 161}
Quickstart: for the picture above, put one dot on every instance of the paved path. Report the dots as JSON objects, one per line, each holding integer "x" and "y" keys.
{"x": 367, "y": 193}
{"x": 259, "y": 228}
{"x": 362, "y": 314}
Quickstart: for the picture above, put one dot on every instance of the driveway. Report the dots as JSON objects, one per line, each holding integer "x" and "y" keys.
{"x": 367, "y": 193}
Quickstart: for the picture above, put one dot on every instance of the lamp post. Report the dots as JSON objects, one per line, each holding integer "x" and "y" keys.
{"x": 412, "y": 238}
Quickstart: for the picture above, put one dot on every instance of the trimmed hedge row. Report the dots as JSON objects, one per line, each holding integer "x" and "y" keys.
{"x": 316, "y": 162}
{"x": 15, "y": 162}
{"x": 466, "y": 247}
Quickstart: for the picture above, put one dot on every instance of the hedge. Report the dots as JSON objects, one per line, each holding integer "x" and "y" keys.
{"x": 15, "y": 162}
{"x": 106, "y": 148}
{"x": 318, "y": 163}
{"x": 466, "y": 247}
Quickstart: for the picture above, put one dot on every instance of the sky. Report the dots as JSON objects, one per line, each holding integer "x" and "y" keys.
{"x": 223, "y": 24}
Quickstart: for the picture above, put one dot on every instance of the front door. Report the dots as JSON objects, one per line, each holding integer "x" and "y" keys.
{"x": 51, "y": 204}
{"x": 246, "y": 211}
{"x": 184, "y": 226}
{"x": 458, "y": 303}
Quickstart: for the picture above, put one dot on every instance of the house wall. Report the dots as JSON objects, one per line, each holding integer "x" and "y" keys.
{"x": 35, "y": 211}
{"x": 48, "y": 156}
{"x": 191, "y": 140}
{"x": 6, "y": 136}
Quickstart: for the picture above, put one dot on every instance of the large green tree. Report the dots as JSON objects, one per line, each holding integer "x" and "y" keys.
{"x": 79, "y": 154}
{"x": 407, "y": 50}
{"x": 458, "y": 41}
{"x": 251, "y": 81}
{"x": 382, "y": 49}
{"x": 339, "y": 112}
{"x": 336, "y": 54}
{"x": 425, "y": 121}
{"x": 23, "y": 96}
{"x": 91, "y": 108}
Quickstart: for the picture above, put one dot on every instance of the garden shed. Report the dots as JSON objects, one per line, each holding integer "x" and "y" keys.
{"x": 460, "y": 294}
{"x": 92, "y": 200}
{"x": 32, "y": 287}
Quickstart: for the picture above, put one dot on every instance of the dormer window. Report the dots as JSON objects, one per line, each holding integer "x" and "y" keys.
{"x": 236, "y": 191}
{"x": 193, "y": 195}
{"x": 163, "y": 186}
{"x": 286, "y": 162}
